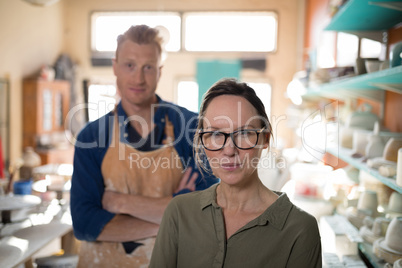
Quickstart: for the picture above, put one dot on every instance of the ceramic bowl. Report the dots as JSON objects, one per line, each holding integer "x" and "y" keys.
{"x": 361, "y": 120}
{"x": 17, "y": 207}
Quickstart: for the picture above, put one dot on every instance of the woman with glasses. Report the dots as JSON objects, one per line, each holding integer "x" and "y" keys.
{"x": 237, "y": 222}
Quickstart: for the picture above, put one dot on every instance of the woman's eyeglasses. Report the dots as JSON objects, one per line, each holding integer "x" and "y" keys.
{"x": 243, "y": 139}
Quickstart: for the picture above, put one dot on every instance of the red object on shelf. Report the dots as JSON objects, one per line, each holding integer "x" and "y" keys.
{"x": 1, "y": 161}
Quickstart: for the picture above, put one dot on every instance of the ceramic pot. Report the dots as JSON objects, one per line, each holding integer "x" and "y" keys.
{"x": 346, "y": 137}
{"x": 393, "y": 237}
{"x": 372, "y": 65}
{"x": 391, "y": 149}
{"x": 368, "y": 201}
{"x": 375, "y": 146}
{"x": 360, "y": 67}
{"x": 360, "y": 141}
{"x": 395, "y": 203}
{"x": 380, "y": 226}
{"x": 390, "y": 247}
{"x": 363, "y": 118}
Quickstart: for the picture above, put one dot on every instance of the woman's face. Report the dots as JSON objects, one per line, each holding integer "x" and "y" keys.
{"x": 228, "y": 113}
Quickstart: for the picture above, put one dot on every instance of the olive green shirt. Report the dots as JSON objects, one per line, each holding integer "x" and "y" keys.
{"x": 192, "y": 234}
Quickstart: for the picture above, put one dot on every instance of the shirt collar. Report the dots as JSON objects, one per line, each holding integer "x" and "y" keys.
{"x": 159, "y": 114}
{"x": 276, "y": 214}
{"x": 208, "y": 197}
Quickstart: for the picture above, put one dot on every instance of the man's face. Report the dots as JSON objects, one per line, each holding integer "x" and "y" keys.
{"x": 137, "y": 69}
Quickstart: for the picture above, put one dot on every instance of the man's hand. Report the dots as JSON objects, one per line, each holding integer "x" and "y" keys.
{"x": 146, "y": 208}
{"x": 187, "y": 182}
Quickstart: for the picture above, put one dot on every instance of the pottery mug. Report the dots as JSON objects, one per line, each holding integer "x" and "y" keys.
{"x": 368, "y": 200}
{"x": 393, "y": 237}
{"x": 395, "y": 203}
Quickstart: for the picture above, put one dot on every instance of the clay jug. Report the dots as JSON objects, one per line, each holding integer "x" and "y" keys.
{"x": 375, "y": 146}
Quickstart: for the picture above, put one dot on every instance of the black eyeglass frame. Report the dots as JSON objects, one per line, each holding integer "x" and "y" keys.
{"x": 257, "y": 131}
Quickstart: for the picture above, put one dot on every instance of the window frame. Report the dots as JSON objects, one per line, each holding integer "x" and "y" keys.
{"x": 104, "y": 58}
{"x": 183, "y": 32}
{"x": 245, "y": 78}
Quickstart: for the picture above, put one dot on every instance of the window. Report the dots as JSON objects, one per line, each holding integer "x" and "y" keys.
{"x": 187, "y": 94}
{"x": 263, "y": 91}
{"x": 371, "y": 48}
{"x": 101, "y": 100}
{"x": 203, "y": 31}
{"x": 347, "y": 49}
{"x": 106, "y": 26}
{"x": 325, "y": 50}
{"x": 230, "y": 31}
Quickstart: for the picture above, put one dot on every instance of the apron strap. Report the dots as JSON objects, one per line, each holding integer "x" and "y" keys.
{"x": 169, "y": 131}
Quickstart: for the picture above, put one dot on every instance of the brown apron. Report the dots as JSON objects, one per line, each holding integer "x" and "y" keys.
{"x": 130, "y": 171}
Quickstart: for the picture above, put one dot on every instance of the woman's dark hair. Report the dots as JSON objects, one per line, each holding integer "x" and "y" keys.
{"x": 228, "y": 86}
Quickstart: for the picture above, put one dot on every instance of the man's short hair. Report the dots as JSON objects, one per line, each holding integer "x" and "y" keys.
{"x": 142, "y": 35}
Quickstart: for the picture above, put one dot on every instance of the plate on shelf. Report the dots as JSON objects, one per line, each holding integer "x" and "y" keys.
{"x": 17, "y": 207}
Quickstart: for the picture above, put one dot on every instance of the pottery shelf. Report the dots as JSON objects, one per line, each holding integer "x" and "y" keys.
{"x": 371, "y": 86}
{"x": 367, "y": 18}
{"x": 366, "y": 250}
{"x": 346, "y": 155}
